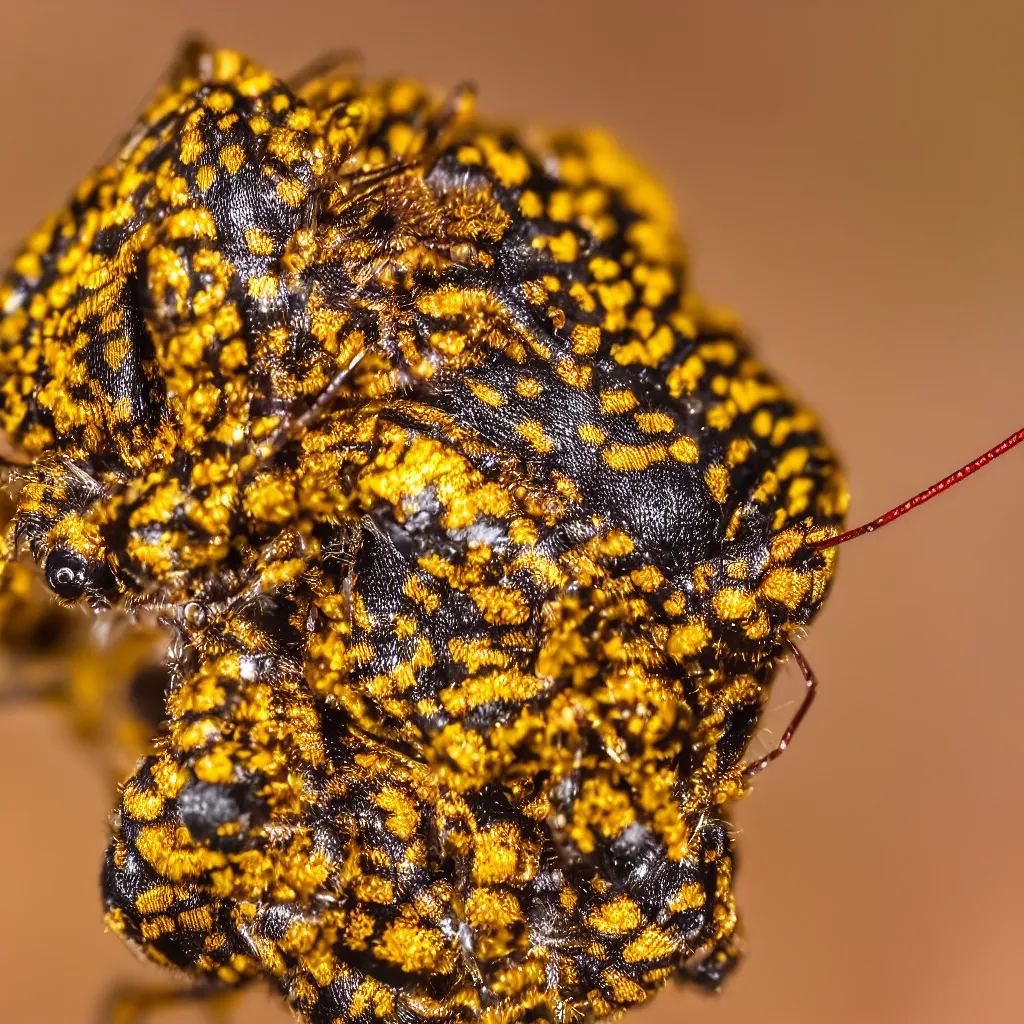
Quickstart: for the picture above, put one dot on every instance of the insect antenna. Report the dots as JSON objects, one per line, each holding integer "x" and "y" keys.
{"x": 926, "y": 495}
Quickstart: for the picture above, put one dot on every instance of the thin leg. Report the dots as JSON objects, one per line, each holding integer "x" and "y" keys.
{"x": 712, "y": 970}
{"x": 754, "y": 767}
{"x": 295, "y": 426}
{"x": 188, "y": 60}
{"x": 19, "y": 693}
{"x": 135, "y": 1004}
{"x": 333, "y": 62}
{"x": 458, "y": 103}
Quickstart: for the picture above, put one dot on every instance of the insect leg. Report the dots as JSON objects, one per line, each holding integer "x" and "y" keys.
{"x": 29, "y": 693}
{"x": 134, "y": 1004}
{"x": 334, "y": 63}
{"x": 711, "y": 970}
{"x": 457, "y": 108}
{"x": 294, "y": 426}
{"x": 754, "y": 767}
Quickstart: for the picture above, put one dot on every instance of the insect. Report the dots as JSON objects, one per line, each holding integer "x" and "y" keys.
{"x": 473, "y": 538}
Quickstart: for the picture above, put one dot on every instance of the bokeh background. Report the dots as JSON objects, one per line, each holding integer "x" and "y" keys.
{"x": 849, "y": 176}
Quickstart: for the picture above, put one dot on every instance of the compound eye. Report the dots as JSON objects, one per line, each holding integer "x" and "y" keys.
{"x": 67, "y": 573}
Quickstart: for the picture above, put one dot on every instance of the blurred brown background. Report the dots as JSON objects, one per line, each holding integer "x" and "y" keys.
{"x": 850, "y": 180}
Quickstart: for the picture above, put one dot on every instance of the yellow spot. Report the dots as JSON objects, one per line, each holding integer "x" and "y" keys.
{"x": 785, "y": 545}
{"x": 533, "y": 431}
{"x": 115, "y": 351}
{"x": 691, "y": 896}
{"x": 565, "y": 247}
{"x": 616, "y": 917}
{"x": 523, "y": 531}
{"x": 374, "y": 889}
{"x": 574, "y": 374}
{"x": 414, "y": 948}
{"x": 511, "y": 169}
{"x": 721, "y": 416}
{"x": 292, "y": 191}
{"x": 586, "y": 339}
{"x": 486, "y": 394}
{"x": 617, "y": 402}
{"x": 270, "y": 498}
{"x": 206, "y": 176}
{"x": 198, "y": 919}
{"x": 530, "y": 204}
{"x": 403, "y": 818}
{"x": 717, "y": 478}
{"x": 654, "y": 422}
{"x": 762, "y": 422}
{"x": 737, "y": 569}
{"x": 604, "y": 269}
{"x": 632, "y": 458}
{"x": 648, "y": 579}
{"x": 529, "y": 387}
{"x": 501, "y": 606}
{"x": 651, "y": 944}
{"x": 259, "y": 242}
{"x": 648, "y": 353}
{"x": 155, "y": 900}
{"x": 791, "y": 463}
{"x": 685, "y": 450}
{"x": 560, "y": 205}
{"x": 723, "y": 352}
{"x": 401, "y": 136}
{"x": 220, "y": 102}
{"x": 28, "y": 265}
{"x": 787, "y": 587}
{"x": 231, "y": 158}
{"x": 739, "y": 449}
{"x": 154, "y": 927}
{"x": 264, "y": 288}
{"x": 500, "y": 856}
{"x": 404, "y": 96}
{"x": 192, "y": 146}
{"x": 216, "y": 766}
{"x": 683, "y": 380}
{"x": 584, "y": 299}
{"x": 142, "y": 804}
{"x": 488, "y": 909}
{"x": 731, "y": 603}
{"x": 194, "y": 223}
{"x": 591, "y": 434}
{"x": 557, "y": 317}
{"x": 688, "y": 639}
{"x": 535, "y": 292}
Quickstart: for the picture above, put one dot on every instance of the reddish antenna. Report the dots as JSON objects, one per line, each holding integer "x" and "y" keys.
{"x": 954, "y": 478}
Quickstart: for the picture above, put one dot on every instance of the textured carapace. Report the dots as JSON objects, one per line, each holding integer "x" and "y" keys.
{"x": 477, "y": 537}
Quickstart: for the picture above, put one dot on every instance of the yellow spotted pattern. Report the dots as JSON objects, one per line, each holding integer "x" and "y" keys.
{"x": 475, "y": 535}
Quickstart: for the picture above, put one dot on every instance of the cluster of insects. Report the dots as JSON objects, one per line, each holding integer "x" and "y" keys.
{"x": 447, "y": 547}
